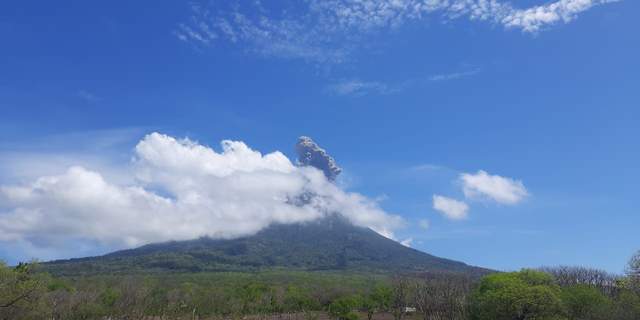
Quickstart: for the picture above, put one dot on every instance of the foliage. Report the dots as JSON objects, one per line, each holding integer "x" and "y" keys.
{"x": 340, "y": 309}
{"x": 581, "y": 299}
{"x": 633, "y": 273}
{"x": 527, "y": 294}
{"x": 581, "y": 293}
{"x": 624, "y": 307}
{"x": 382, "y": 297}
{"x": 21, "y": 290}
{"x": 59, "y": 285}
{"x": 633, "y": 266}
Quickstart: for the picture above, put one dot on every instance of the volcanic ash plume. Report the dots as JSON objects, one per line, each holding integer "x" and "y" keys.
{"x": 309, "y": 154}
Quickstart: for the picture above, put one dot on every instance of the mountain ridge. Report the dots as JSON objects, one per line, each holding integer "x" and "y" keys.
{"x": 327, "y": 244}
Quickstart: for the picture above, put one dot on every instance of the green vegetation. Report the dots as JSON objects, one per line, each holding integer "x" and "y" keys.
{"x": 581, "y": 299}
{"x": 21, "y": 291}
{"x": 527, "y": 294}
{"x": 327, "y": 245}
{"x": 582, "y": 294}
{"x": 342, "y": 278}
{"x": 340, "y": 308}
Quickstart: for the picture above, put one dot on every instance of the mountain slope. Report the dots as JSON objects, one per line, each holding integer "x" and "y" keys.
{"x": 329, "y": 244}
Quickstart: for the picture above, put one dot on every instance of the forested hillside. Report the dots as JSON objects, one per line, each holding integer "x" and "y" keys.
{"x": 329, "y": 244}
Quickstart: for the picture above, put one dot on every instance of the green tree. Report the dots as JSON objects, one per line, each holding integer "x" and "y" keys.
{"x": 21, "y": 290}
{"x": 581, "y": 299}
{"x": 382, "y": 297}
{"x": 633, "y": 273}
{"x": 340, "y": 308}
{"x": 523, "y": 295}
{"x": 633, "y": 266}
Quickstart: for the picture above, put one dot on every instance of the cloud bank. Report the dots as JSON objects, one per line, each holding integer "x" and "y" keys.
{"x": 183, "y": 190}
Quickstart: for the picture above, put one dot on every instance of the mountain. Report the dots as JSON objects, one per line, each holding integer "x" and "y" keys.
{"x": 328, "y": 244}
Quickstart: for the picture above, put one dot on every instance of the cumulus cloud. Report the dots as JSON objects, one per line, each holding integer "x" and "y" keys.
{"x": 495, "y": 187}
{"x": 452, "y": 209}
{"x": 184, "y": 190}
{"x": 330, "y": 30}
{"x": 309, "y": 154}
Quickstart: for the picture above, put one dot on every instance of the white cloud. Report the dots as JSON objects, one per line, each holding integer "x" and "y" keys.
{"x": 407, "y": 242}
{"x": 538, "y": 17}
{"x": 453, "y": 76}
{"x": 530, "y": 20}
{"x": 452, "y": 209}
{"x": 501, "y": 190}
{"x": 184, "y": 190}
{"x": 192, "y": 34}
{"x": 87, "y": 96}
{"x": 330, "y": 30}
{"x": 207, "y": 30}
{"x": 357, "y": 88}
{"x": 424, "y": 223}
{"x": 180, "y": 36}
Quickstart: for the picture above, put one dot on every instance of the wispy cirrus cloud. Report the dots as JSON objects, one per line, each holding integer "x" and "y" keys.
{"x": 357, "y": 88}
{"x": 180, "y": 36}
{"x": 87, "y": 96}
{"x": 424, "y": 223}
{"x": 452, "y": 76}
{"x": 328, "y": 31}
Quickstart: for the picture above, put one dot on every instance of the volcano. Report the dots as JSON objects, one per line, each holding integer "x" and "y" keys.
{"x": 327, "y": 244}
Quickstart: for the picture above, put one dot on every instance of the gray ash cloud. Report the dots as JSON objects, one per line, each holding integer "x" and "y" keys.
{"x": 309, "y": 154}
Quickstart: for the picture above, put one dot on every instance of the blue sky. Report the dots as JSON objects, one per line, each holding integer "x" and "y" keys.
{"x": 541, "y": 96}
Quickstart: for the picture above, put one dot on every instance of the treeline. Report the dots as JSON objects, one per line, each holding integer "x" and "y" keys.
{"x": 569, "y": 293}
